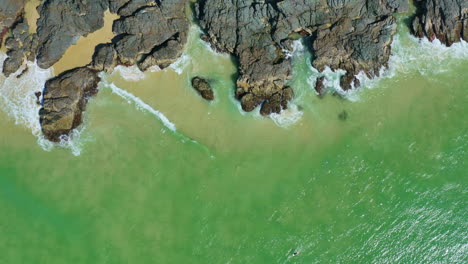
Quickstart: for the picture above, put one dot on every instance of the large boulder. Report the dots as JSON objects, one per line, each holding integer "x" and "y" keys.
{"x": 203, "y": 88}
{"x": 64, "y": 101}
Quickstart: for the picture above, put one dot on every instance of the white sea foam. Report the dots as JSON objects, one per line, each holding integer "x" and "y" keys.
{"x": 409, "y": 55}
{"x": 130, "y": 98}
{"x": 297, "y": 47}
{"x": 18, "y": 99}
{"x": 132, "y": 73}
{"x": 287, "y": 117}
{"x": 180, "y": 64}
{"x": 19, "y": 102}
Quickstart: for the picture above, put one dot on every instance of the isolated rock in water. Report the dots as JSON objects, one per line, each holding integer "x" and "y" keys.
{"x": 320, "y": 86}
{"x": 62, "y": 23}
{"x": 350, "y": 35}
{"x": 64, "y": 100}
{"x": 10, "y": 10}
{"x": 446, "y": 20}
{"x": 203, "y": 88}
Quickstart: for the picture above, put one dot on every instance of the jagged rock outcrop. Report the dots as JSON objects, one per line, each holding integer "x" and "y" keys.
{"x": 350, "y": 35}
{"x": 62, "y": 23}
{"x": 446, "y": 20}
{"x": 21, "y": 46}
{"x": 151, "y": 32}
{"x": 10, "y": 10}
{"x": 64, "y": 101}
{"x": 203, "y": 88}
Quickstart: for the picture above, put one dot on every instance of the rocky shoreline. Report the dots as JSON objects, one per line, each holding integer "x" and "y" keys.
{"x": 354, "y": 36}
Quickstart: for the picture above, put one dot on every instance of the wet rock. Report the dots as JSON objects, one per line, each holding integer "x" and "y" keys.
{"x": 64, "y": 101}
{"x": 320, "y": 88}
{"x": 203, "y": 88}
{"x": 350, "y": 35}
{"x": 446, "y": 20}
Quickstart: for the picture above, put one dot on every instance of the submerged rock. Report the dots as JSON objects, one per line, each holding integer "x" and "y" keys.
{"x": 446, "y": 20}
{"x": 64, "y": 100}
{"x": 203, "y": 88}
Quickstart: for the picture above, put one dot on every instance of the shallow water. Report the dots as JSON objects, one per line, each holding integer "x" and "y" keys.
{"x": 386, "y": 185}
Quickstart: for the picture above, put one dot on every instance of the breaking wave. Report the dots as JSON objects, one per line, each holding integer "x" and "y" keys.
{"x": 18, "y": 100}
{"x": 144, "y": 107}
{"x": 130, "y": 98}
{"x": 131, "y": 73}
{"x": 410, "y": 55}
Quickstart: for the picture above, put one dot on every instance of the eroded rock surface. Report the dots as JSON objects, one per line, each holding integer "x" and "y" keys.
{"x": 446, "y": 20}
{"x": 62, "y": 23}
{"x": 21, "y": 46}
{"x": 203, "y": 88}
{"x": 350, "y": 35}
{"x": 10, "y": 10}
{"x": 64, "y": 101}
{"x": 149, "y": 32}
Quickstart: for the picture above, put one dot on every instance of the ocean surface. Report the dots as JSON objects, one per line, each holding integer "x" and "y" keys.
{"x": 158, "y": 175}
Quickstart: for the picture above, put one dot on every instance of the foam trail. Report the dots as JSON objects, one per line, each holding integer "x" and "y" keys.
{"x": 142, "y": 106}
{"x": 130, "y": 98}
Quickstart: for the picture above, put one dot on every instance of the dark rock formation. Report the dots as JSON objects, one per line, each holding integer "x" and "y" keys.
{"x": 203, "y": 88}
{"x": 446, "y": 20}
{"x": 350, "y": 35}
{"x": 64, "y": 101}
{"x": 62, "y": 23}
{"x": 341, "y": 34}
{"x": 151, "y": 32}
{"x": 10, "y": 10}
{"x": 21, "y": 46}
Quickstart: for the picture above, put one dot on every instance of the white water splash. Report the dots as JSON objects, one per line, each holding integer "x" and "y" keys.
{"x": 287, "y": 117}
{"x": 297, "y": 48}
{"x": 18, "y": 99}
{"x": 180, "y": 64}
{"x": 409, "y": 55}
{"x": 19, "y": 102}
{"x": 131, "y": 73}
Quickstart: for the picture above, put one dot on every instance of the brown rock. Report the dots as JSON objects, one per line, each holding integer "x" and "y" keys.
{"x": 203, "y": 88}
{"x": 65, "y": 98}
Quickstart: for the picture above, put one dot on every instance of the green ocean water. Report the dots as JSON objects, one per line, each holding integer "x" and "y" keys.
{"x": 386, "y": 184}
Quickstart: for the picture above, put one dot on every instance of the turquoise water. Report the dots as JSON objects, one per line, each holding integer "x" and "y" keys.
{"x": 386, "y": 185}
